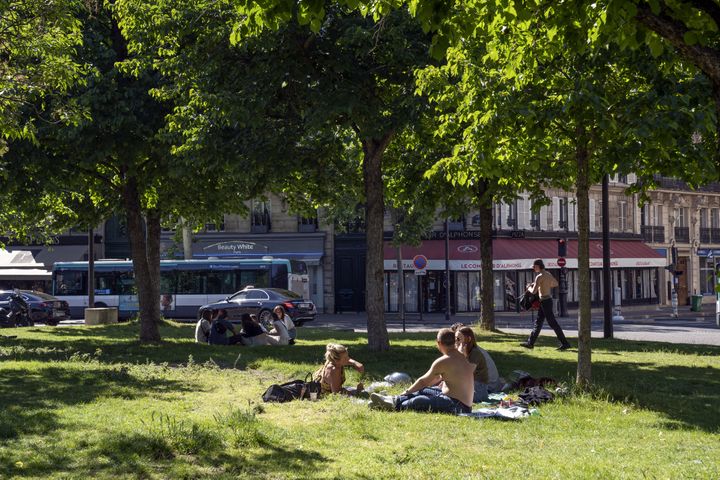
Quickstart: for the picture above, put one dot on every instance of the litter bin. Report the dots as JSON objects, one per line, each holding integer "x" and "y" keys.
{"x": 696, "y": 303}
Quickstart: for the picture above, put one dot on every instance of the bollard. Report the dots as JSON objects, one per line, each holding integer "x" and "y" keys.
{"x": 674, "y": 302}
{"x": 617, "y": 313}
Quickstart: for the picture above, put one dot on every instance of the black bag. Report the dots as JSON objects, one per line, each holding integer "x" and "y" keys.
{"x": 292, "y": 390}
{"x": 529, "y": 301}
{"x": 535, "y": 396}
{"x": 219, "y": 327}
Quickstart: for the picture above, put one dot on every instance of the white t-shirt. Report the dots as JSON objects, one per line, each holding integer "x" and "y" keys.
{"x": 202, "y": 331}
{"x": 289, "y": 324}
{"x": 279, "y": 334}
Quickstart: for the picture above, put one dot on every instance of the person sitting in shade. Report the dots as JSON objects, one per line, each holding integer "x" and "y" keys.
{"x": 280, "y": 312}
{"x": 202, "y": 328}
{"x": 455, "y": 394}
{"x": 219, "y": 329}
{"x": 279, "y": 334}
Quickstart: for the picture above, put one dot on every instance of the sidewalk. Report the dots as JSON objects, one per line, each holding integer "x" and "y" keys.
{"x": 643, "y": 323}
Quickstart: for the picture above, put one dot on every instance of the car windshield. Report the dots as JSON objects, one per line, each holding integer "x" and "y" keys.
{"x": 4, "y": 296}
{"x": 241, "y": 295}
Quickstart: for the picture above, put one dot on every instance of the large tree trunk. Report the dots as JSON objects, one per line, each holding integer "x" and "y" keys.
{"x": 374, "y": 214}
{"x": 584, "y": 316}
{"x": 487, "y": 303}
{"x": 143, "y": 257}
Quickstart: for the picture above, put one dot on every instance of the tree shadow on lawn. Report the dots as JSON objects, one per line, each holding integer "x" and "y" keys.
{"x": 686, "y": 395}
{"x": 29, "y": 397}
{"x": 125, "y": 453}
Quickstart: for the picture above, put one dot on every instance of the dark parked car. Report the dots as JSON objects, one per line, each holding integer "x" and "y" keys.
{"x": 44, "y": 308}
{"x": 261, "y": 301}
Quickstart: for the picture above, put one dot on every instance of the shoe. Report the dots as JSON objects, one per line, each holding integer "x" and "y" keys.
{"x": 527, "y": 345}
{"x": 382, "y": 402}
{"x": 563, "y": 347}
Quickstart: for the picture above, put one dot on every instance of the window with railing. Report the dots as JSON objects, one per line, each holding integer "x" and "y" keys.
{"x": 307, "y": 224}
{"x": 260, "y": 221}
{"x": 456, "y": 224}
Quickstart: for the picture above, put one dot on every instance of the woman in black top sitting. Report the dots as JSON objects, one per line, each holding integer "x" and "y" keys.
{"x": 252, "y": 332}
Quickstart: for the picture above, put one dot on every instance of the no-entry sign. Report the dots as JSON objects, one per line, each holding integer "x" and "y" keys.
{"x": 561, "y": 262}
{"x": 420, "y": 262}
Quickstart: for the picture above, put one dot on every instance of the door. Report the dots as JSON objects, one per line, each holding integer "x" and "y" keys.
{"x": 350, "y": 283}
{"x": 682, "y": 285}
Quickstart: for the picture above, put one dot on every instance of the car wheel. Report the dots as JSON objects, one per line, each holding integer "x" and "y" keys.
{"x": 265, "y": 318}
{"x": 51, "y": 322}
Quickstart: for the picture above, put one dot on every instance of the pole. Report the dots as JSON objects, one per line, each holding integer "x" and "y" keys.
{"x": 447, "y": 271}
{"x": 91, "y": 268}
{"x": 607, "y": 284}
{"x": 401, "y": 287}
{"x": 717, "y": 294}
{"x": 187, "y": 240}
{"x": 562, "y": 303}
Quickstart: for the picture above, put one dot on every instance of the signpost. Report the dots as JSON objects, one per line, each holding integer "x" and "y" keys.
{"x": 561, "y": 261}
{"x": 420, "y": 263}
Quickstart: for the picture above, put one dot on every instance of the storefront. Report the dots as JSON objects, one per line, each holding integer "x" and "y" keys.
{"x": 709, "y": 258}
{"x": 634, "y": 268}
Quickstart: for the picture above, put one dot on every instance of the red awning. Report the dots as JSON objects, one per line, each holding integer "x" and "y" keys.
{"x": 519, "y": 254}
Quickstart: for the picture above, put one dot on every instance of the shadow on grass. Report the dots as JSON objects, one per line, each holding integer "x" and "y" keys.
{"x": 683, "y": 393}
{"x": 29, "y": 397}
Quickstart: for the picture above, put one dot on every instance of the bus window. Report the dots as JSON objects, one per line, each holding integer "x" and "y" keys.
{"x": 126, "y": 284}
{"x": 167, "y": 281}
{"x": 71, "y": 282}
{"x": 298, "y": 267}
{"x": 105, "y": 283}
{"x": 219, "y": 282}
{"x": 190, "y": 282}
{"x": 256, "y": 278}
{"x": 280, "y": 275}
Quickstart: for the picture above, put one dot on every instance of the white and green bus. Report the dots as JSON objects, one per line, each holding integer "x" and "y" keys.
{"x": 185, "y": 285}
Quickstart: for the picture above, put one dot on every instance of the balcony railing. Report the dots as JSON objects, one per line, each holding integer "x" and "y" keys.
{"x": 682, "y": 234}
{"x": 710, "y": 235}
{"x": 653, "y": 234}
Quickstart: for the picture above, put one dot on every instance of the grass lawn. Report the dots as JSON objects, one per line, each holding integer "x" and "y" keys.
{"x": 91, "y": 402}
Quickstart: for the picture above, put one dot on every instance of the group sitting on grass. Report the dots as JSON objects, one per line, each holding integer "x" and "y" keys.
{"x": 215, "y": 328}
{"x": 461, "y": 376}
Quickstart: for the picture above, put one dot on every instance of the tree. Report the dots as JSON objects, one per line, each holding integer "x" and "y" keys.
{"x": 331, "y": 98}
{"x": 38, "y": 40}
{"x": 118, "y": 161}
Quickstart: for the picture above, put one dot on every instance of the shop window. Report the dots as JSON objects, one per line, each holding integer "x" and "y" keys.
{"x": 707, "y": 276}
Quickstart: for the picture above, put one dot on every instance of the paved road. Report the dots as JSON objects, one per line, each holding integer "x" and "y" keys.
{"x": 640, "y": 323}
{"x": 655, "y": 324}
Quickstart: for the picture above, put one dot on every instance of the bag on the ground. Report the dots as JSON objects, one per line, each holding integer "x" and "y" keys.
{"x": 535, "y": 396}
{"x": 292, "y": 390}
{"x": 529, "y": 301}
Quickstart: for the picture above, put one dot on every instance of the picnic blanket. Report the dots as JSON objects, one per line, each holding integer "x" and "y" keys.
{"x": 515, "y": 412}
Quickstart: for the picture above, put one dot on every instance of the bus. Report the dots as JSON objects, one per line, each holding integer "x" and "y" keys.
{"x": 185, "y": 285}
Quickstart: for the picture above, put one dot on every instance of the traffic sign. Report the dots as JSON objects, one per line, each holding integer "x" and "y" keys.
{"x": 420, "y": 262}
{"x": 561, "y": 262}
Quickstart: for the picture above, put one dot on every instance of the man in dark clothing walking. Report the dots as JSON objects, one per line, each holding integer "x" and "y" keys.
{"x": 542, "y": 287}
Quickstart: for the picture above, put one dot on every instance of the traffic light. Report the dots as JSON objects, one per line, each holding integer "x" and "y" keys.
{"x": 562, "y": 247}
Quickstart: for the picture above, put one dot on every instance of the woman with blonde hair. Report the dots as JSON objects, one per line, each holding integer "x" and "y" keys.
{"x": 486, "y": 373}
{"x": 332, "y": 374}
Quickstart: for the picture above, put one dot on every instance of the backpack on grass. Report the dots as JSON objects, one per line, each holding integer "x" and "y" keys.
{"x": 292, "y": 390}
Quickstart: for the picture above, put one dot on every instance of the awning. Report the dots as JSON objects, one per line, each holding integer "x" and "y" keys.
{"x": 24, "y": 274}
{"x": 519, "y": 254}
{"x": 49, "y": 254}
{"x": 61, "y": 253}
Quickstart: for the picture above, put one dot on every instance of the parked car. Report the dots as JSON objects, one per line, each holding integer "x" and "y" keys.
{"x": 261, "y": 301}
{"x": 44, "y": 308}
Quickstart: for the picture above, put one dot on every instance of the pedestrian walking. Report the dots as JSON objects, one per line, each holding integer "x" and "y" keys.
{"x": 542, "y": 287}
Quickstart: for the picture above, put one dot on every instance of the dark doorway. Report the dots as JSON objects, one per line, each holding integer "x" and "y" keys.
{"x": 350, "y": 251}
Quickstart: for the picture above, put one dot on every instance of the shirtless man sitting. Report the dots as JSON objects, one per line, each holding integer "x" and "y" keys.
{"x": 456, "y": 374}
